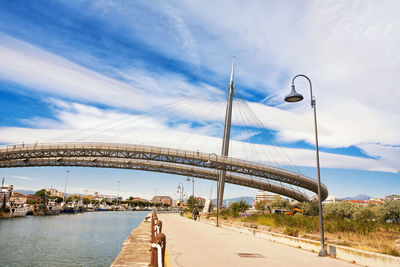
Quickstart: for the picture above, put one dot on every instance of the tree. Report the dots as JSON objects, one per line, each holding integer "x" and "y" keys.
{"x": 237, "y": 207}
{"x": 190, "y": 203}
{"x": 86, "y": 200}
{"x": 390, "y": 210}
{"x": 58, "y": 199}
{"x": 343, "y": 209}
{"x": 366, "y": 213}
{"x": 42, "y": 193}
{"x": 310, "y": 208}
{"x": 260, "y": 205}
{"x": 280, "y": 204}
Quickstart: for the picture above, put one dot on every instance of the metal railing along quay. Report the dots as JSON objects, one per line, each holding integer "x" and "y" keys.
{"x": 158, "y": 242}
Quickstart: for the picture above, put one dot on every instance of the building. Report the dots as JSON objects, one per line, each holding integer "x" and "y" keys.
{"x": 264, "y": 196}
{"x": 108, "y": 198}
{"x": 54, "y": 193}
{"x": 200, "y": 201}
{"x": 138, "y": 199}
{"x": 392, "y": 197}
{"x": 33, "y": 199}
{"x": 162, "y": 200}
{"x": 360, "y": 202}
{"x": 180, "y": 203}
{"x": 376, "y": 200}
{"x": 90, "y": 197}
{"x": 18, "y": 198}
{"x": 329, "y": 200}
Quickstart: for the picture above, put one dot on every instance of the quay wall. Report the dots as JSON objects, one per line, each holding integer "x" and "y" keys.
{"x": 136, "y": 247}
{"x": 353, "y": 255}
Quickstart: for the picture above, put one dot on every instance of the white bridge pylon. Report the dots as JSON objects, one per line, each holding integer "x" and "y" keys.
{"x": 164, "y": 160}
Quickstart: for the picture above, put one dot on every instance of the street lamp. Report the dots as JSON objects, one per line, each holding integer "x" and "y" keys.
{"x": 188, "y": 180}
{"x": 209, "y": 162}
{"x": 296, "y": 97}
{"x": 180, "y": 191}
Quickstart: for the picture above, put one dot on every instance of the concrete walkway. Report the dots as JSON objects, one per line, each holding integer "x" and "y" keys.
{"x": 192, "y": 244}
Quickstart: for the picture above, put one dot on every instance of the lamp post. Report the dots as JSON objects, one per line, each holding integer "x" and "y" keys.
{"x": 193, "y": 200}
{"x": 180, "y": 191}
{"x": 209, "y": 162}
{"x": 296, "y": 97}
{"x": 188, "y": 180}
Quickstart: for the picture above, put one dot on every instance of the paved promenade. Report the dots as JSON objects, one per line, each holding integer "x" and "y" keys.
{"x": 192, "y": 244}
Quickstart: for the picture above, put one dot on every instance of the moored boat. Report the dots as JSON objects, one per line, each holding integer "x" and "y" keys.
{"x": 71, "y": 207}
{"x": 7, "y": 208}
{"x": 103, "y": 207}
{"x": 52, "y": 208}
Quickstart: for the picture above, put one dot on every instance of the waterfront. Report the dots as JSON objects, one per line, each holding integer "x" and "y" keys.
{"x": 85, "y": 239}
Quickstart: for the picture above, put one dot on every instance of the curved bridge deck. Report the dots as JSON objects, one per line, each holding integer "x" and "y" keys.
{"x": 158, "y": 159}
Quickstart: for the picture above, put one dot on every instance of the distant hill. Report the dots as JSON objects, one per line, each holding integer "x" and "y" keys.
{"x": 359, "y": 197}
{"x": 31, "y": 192}
{"x": 25, "y": 192}
{"x": 248, "y": 200}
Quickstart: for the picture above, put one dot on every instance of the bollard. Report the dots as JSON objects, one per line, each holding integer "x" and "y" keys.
{"x": 158, "y": 251}
{"x": 162, "y": 241}
{"x": 159, "y": 225}
{"x": 154, "y": 221}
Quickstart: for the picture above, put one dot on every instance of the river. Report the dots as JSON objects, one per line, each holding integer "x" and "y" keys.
{"x": 84, "y": 239}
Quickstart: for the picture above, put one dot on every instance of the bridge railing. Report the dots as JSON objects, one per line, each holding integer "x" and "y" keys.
{"x": 201, "y": 156}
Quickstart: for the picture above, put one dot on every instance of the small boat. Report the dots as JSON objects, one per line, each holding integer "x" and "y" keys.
{"x": 16, "y": 210}
{"x": 103, "y": 207}
{"x": 7, "y": 208}
{"x": 52, "y": 208}
{"x": 90, "y": 207}
{"x": 81, "y": 207}
{"x": 71, "y": 207}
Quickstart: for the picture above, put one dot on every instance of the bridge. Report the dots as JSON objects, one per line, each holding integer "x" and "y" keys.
{"x": 164, "y": 160}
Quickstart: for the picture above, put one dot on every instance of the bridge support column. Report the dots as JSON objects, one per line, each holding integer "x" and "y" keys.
{"x": 225, "y": 142}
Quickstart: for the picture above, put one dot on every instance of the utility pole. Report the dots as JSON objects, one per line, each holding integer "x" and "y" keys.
{"x": 225, "y": 141}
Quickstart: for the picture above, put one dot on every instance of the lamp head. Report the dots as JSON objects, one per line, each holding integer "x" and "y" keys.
{"x": 293, "y": 96}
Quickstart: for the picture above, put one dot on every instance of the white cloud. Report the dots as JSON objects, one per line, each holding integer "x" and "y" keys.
{"x": 349, "y": 49}
{"x": 23, "y": 178}
{"x": 83, "y": 123}
{"x": 44, "y": 72}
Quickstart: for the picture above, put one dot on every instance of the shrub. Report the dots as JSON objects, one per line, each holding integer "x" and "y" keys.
{"x": 280, "y": 204}
{"x": 260, "y": 205}
{"x": 291, "y": 231}
{"x": 342, "y": 209}
{"x": 389, "y": 211}
{"x": 310, "y": 208}
{"x": 237, "y": 207}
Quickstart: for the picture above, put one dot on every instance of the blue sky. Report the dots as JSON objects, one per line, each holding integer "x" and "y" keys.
{"x": 156, "y": 73}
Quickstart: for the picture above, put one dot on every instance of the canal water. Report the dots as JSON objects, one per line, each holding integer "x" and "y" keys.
{"x": 84, "y": 239}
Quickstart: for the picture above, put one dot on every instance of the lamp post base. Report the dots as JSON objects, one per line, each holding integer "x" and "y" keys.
{"x": 323, "y": 253}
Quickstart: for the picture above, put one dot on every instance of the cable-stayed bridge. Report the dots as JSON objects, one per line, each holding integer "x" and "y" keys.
{"x": 221, "y": 168}
{"x": 164, "y": 160}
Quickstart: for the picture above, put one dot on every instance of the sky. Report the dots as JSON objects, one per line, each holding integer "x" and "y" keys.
{"x": 157, "y": 73}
